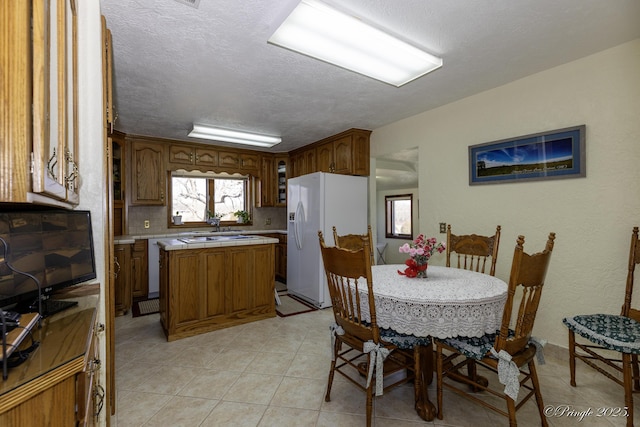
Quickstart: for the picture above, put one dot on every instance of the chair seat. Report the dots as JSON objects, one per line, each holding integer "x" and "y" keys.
{"x": 474, "y": 347}
{"x": 403, "y": 341}
{"x": 611, "y": 331}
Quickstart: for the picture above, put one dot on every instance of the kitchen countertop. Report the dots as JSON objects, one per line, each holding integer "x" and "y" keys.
{"x": 129, "y": 239}
{"x": 214, "y": 241}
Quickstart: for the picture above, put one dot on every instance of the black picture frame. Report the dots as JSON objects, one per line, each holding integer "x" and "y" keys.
{"x": 555, "y": 154}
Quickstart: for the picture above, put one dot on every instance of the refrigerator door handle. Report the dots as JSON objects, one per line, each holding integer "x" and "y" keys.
{"x": 298, "y": 224}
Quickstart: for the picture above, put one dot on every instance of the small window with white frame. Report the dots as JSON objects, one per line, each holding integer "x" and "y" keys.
{"x": 399, "y": 216}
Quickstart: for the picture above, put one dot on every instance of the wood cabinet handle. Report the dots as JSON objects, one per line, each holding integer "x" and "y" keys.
{"x": 115, "y": 262}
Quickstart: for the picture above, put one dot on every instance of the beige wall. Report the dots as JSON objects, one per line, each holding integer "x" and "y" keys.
{"x": 592, "y": 216}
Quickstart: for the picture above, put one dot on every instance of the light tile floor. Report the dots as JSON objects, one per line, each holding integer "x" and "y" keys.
{"x": 274, "y": 373}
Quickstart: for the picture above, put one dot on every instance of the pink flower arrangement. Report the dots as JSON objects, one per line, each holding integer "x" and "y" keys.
{"x": 420, "y": 250}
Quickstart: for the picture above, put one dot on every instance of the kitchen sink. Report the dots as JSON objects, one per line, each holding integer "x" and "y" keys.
{"x": 232, "y": 237}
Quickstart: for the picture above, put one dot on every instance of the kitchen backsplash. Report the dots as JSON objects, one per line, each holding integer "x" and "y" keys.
{"x": 157, "y": 217}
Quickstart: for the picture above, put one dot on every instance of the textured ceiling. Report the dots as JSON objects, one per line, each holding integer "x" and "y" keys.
{"x": 176, "y": 64}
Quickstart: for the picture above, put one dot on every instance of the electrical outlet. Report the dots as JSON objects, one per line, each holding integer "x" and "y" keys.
{"x": 443, "y": 227}
{"x": 146, "y": 223}
{"x": 267, "y": 221}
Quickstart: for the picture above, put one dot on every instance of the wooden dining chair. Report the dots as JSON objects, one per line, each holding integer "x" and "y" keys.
{"x": 369, "y": 351}
{"x": 608, "y": 334}
{"x": 506, "y": 352}
{"x": 354, "y": 241}
{"x": 473, "y": 251}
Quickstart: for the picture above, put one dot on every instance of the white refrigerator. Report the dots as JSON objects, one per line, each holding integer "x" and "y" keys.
{"x": 317, "y": 202}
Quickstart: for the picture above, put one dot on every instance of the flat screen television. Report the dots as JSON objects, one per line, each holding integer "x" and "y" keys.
{"x": 53, "y": 247}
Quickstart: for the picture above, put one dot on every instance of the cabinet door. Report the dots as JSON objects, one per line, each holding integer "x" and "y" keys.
{"x": 206, "y": 157}
{"x": 228, "y": 159}
{"x": 139, "y": 270}
{"x": 262, "y": 277}
{"x": 180, "y": 154}
{"x": 147, "y": 173}
{"x": 342, "y": 155}
{"x": 122, "y": 280}
{"x": 324, "y": 158}
{"x": 249, "y": 162}
{"x": 215, "y": 268}
{"x": 361, "y": 157}
{"x": 54, "y": 111}
{"x": 16, "y": 96}
{"x": 267, "y": 182}
{"x": 186, "y": 290}
{"x": 281, "y": 176}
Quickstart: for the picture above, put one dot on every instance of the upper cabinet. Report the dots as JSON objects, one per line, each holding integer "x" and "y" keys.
{"x": 346, "y": 153}
{"x": 148, "y": 173}
{"x": 39, "y": 102}
{"x": 192, "y": 155}
{"x": 241, "y": 161}
{"x": 281, "y": 165}
{"x": 118, "y": 181}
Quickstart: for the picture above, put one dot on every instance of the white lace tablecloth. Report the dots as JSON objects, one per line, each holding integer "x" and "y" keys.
{"x": 449, "y": 302}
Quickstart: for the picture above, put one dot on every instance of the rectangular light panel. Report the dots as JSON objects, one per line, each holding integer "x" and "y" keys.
{"x": 228, "y": 135}
{"x": 319, "y": 31}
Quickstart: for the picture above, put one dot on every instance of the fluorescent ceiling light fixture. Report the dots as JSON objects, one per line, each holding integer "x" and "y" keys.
{"x": 228, "y": 135}
{"x": 319, "y": 31}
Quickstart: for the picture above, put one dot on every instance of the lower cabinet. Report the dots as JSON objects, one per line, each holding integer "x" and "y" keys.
{"x": 58, "y": 384}
{"x": 212, "y": 288}
{"x": 122, "y": 280}
{"x": 139, "y": 270}
{"x": 280, "y": 256}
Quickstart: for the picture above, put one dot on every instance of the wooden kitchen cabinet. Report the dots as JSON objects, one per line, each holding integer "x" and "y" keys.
{"x": 237, "y": 160}
{"x": 147, "y": 173}
{"x": 39, "y": 130}
{"x": 181, "y": 154}
{"x": 118, "y": 182}
{"x": 139, "y": 272}
{"x": 192, "y": 155}
{"x": 280, "y": 261}
{"x": 303, "y": 162}
{"x": 281, "y": 164}
{"x": 205, "y": 289}
{"x": 267, "y": 182}
{"x": 346, "y": 153}
{"x": 58, "y": 384}
{"x": 122, "y": 279}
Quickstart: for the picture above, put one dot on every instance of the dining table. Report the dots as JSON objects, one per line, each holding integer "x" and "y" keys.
{"x": 449, "y": 302}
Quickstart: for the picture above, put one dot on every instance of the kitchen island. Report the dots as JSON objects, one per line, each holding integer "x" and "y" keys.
{"x": 213, "y": 282}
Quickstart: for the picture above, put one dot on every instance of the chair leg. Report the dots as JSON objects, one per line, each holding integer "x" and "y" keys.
{"x": 336, "y": 351}
{"x": 439, "y": 375}
{"x": 572, "y": 357}
{"x": 511, "y": 408}
{"x": 536, "y": 387}
{"x": 370, "y": 402}
{"x": 628, "y": 386}
{"x": 636, "y": 372}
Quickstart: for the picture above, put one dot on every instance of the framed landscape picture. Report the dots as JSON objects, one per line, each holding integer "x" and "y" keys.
{"x": 547, "y": 155}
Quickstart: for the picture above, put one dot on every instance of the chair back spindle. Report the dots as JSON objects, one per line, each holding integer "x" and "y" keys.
{"x": 473, "y": 251}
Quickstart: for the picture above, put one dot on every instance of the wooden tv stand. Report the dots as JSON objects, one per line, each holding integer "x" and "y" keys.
{"x": 56, "y": 385}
